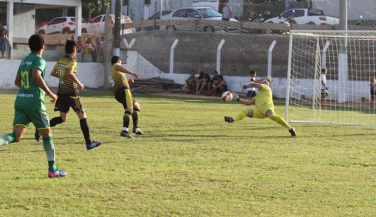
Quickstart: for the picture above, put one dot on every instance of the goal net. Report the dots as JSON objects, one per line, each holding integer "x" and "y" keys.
{"x": 350, "y": 60}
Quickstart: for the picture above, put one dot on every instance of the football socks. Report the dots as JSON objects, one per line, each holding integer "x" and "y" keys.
{"x": 241, "y": 115}
{"x": 7, "y": 138}
{"x": 85, "y": 130}
{"x": 135, "y": 119}
{"x": 55, "y": 121}
{"x": 280, "y": 120}
{"x": 126, "y": 118}
{"x": 49, "y": 148}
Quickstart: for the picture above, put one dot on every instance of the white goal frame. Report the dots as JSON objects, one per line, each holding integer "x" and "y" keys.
{"x": 350, "y": 57}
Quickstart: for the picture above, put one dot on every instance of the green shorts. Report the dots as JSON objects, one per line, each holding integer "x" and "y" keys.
{"x": 38, "y": 117}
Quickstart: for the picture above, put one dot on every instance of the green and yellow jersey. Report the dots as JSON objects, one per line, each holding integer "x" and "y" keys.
{"x": 117, "y": 79}
{"x": 66, "y": 84}
{"x": 264, "y": 97}
{"x": 30, "y": 96}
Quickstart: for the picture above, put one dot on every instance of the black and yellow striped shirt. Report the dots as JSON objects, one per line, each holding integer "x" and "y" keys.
{"x": 66, "y": 84}
{"x": 117, "y": 79}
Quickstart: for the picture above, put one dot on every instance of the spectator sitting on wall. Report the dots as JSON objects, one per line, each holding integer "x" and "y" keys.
{"x": 190, "y": 83}
{"x": 201, "y": 82}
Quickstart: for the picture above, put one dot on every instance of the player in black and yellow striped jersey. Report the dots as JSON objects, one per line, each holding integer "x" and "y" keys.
{"x": 120, "y": 89}
{"x": 68, "y": 96}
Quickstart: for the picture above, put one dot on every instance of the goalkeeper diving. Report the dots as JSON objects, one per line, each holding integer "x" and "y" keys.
{"x": 264, "y": 107}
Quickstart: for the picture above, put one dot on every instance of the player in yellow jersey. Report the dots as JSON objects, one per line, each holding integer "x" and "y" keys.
{"x": 68, "y": 96}
{"x": 264, "y": 106}
{"x": 120, "y": 89}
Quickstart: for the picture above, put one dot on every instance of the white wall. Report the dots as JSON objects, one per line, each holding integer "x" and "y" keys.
{"x": 92, "y": 75}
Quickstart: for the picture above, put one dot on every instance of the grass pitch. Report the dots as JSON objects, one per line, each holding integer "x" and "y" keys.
{"x": 189, "y": 162}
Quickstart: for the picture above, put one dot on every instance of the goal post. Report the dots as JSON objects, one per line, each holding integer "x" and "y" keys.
{"x": 350, "y": 60}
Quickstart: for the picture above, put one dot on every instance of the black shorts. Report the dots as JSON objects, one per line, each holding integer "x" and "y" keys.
{"x": 251, "y": 93}
{"x": 124, "y": 97}
{"x": 373, "y": 93}
{"x": 66, "y": 101}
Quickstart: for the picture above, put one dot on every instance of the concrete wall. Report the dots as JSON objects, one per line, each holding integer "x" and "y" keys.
{"x": 24, "y": 20}
{"x": 92, "y": 75}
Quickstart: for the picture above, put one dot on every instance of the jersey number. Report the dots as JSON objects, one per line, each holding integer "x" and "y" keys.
{"x": 25, "y": 80}
{"x": 112, "y": 83}
{"x": 61, "y": 74}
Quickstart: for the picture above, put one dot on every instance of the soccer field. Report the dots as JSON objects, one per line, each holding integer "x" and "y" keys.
{"x": 189, "y": 162}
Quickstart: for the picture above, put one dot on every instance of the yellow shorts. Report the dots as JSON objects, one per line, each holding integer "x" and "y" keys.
{"x": 260, "y": 111}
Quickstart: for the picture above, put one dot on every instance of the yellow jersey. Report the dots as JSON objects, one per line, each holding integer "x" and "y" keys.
{"x": 117, "y": 79}
{"x": 66, "y": 84}
{"x": 264, "y": 97}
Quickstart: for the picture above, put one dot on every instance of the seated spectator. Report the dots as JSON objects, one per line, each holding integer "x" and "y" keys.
{"x": 3, "y": 40}
{"x": 213, "y": 81}
{"x": 220, "y": 86}
{"x": 190, "y": 83}
{"x": 201, "y": 82}
{"x": 90, "y": 48}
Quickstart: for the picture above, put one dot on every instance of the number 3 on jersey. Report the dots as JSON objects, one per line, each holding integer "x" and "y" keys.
{"x": 25, "y": 80}
{"x": 111, "y": 80}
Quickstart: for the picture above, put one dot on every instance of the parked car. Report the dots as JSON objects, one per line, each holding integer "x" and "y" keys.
{"x": 61, "y": 25}
{"x": 193, "y": 13}
{"x": 157, "y": 15}
{"x": 96, "y": 25}
{"x": 304, "y": 16}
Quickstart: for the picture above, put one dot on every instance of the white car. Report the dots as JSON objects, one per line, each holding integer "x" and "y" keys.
{"x": 61, "y": 25}
{"x": 96, "y": 25}
{"x": 304, "y": 16}
{"x": 194, "y": 13}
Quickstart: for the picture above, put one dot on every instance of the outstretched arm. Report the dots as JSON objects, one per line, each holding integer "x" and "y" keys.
{"x": 124, "y": 70}
{"x": 243, "y": 101}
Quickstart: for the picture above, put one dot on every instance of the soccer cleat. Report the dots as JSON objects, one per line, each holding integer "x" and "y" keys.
{"x": 137, "y": 131}
{"x": 57, "y": 173}
{"x": 126, "y": 134}
{"x": 93, "y": 144}
{"x": 237, "y": 98}
{"x": 292, "y": 131}
{"x": 229, "y": 119}
{"x": 37, "y": 135}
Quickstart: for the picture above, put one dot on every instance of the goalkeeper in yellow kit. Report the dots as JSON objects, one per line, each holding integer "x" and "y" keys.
{"x": 264, "y": 107}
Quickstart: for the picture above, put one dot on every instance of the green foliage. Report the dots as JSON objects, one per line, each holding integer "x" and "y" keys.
{"x": 189, "y": 162}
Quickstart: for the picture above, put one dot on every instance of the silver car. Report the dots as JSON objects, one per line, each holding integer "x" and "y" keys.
{"x": 194, "y": 13}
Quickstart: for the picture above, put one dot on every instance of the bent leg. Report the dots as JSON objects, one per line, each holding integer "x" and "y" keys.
{"x": 280, "y": 120}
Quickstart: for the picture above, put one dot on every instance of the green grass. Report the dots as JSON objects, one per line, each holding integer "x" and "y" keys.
{"x": 189, "y": 162}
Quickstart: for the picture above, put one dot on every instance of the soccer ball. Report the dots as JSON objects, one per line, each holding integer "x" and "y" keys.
{"x": 227, "y": 96}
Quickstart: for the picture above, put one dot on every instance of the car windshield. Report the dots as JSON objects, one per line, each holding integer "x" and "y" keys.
{"x": 208, "y": 13}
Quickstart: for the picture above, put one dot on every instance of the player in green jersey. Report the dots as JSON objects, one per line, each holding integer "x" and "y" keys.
{"x": 120, "y": 88}
{"x": 68, "y": 97}
{"x": 264, "y": 106}
{"x": 29, "y": 105}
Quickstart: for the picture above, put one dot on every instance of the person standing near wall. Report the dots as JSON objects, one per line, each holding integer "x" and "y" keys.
{"x": 3, "y": 40}
{"x": 373, "y": 90}
{"x": 226, "y": 13}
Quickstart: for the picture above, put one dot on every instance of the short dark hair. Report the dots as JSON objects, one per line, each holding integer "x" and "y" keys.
{"x": 252, "y": 72}
{"x": 114, "y": 60}
{"x": 202, "y": 73}
{"x": 70, "y": 45}
{"x": 323, "y": 70}
{"x": 215, "y": 72}
{"x": 36, "y": 42}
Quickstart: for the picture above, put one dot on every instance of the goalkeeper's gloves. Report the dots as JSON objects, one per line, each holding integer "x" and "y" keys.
{"x": 237, "y": 97}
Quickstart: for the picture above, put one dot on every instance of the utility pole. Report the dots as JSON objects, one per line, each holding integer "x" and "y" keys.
{"x": 117, "y": 24}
